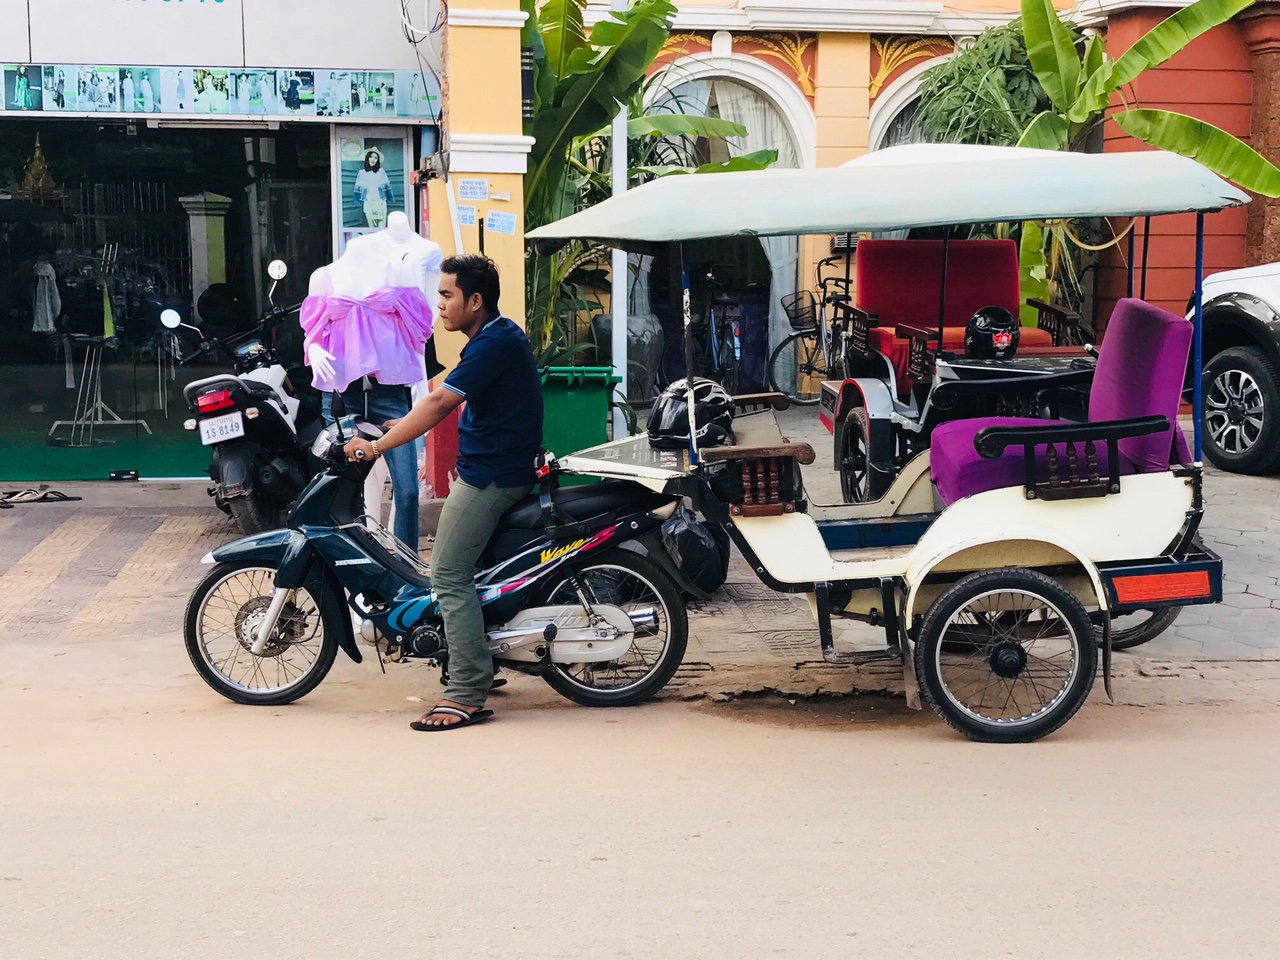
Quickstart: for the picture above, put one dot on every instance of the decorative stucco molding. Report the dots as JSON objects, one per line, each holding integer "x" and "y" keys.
{"x": 828, "y": 16}
{"x": 489, "y": 153}
{"x": 464, "y": 17}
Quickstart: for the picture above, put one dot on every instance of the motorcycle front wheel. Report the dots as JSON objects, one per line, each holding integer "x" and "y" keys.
{"x": 627, "y": 580}
{"x": 222, "y": 621}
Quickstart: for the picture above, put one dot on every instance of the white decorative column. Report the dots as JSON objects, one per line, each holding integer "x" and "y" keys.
{"x": 208, "y": 214}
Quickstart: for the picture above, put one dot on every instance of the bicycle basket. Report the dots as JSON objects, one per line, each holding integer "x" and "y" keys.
{"x": 801, "y": 309}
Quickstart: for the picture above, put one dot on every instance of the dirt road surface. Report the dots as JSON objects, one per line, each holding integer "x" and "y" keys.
{"x": 141, "y": 816}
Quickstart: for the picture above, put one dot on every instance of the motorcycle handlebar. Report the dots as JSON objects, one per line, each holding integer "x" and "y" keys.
{"x": 274, "y": 315}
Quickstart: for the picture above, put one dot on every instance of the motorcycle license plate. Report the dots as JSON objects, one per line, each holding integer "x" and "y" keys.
{"x": 226, "y": 427}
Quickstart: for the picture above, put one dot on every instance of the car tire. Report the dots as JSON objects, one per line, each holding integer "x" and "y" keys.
{"x": 1242, "y": 411}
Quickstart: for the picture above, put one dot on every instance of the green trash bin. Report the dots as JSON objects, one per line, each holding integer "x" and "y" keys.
{"x": 575, "y": 404}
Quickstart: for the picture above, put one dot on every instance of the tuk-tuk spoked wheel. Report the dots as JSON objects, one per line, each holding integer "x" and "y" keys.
{"x": 1006, "y": 656}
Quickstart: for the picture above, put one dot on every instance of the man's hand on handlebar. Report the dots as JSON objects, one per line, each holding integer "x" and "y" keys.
{"x": 359, "y": 449}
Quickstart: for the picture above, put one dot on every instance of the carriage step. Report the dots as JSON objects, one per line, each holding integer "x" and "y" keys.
{"x": 859, "y": 657}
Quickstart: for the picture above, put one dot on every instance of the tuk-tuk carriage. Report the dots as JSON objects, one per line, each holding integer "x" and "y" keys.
{"x": 995, "y": 548}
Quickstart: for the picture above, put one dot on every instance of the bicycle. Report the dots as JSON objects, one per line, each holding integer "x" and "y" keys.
{"x": 818, "y": 350}
{"x": 716, "y": 357}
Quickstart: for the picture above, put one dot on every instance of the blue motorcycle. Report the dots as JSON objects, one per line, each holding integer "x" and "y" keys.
{"x": 575, "y": 586}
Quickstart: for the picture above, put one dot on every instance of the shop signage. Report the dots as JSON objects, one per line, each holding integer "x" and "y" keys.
{"x": 230, "y": 33}
{"x": 146, "y": 92}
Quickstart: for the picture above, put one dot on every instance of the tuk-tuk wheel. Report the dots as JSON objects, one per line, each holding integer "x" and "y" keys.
{"x": 1006, "y": 656}
{"x": 859, "y": 481}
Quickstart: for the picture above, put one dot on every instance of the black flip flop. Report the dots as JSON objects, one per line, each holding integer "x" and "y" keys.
{"x": 467, "y": 719}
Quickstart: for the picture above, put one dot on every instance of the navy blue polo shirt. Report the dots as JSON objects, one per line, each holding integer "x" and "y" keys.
{"x": 501, "y": 428}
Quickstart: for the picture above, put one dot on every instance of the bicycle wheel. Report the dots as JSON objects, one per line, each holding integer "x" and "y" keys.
{"x": 797, "y": 369}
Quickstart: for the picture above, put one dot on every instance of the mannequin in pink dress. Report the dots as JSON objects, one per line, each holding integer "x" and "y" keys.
{"x": 366, "y": 323}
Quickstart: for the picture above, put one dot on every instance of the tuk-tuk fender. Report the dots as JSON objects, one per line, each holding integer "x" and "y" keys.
{"x": 296, "y": 565}
{"x": 1060, "y": 550}
{"x": 869, "y": 392}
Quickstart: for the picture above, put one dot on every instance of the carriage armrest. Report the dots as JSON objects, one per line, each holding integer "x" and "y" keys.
{"x": 991, "y": 442}
{"x": 906, "y": 331}
{"x": 858, "y": 324}
{"x": 1059, "y": 321}
{"x": 754, "y": 402}
{"x": 920, "y": 359}
{"x": 801, "y": 452}
{"x": 761, "y": 481}
{"x": 1070, "y": 476}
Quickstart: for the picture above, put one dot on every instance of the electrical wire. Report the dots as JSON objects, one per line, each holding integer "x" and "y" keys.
{"x": 416, "y": 37}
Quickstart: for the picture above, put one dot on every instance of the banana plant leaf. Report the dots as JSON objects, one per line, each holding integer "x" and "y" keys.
{"x": 563, "y": 32}
{"x": 1051, "y": 51}
{"x": 1158, "y": 45}
{"x": 609, "y": 70}
{"x": 757, "y": 160}
{"x": 675, "y": 125}
{"x": 1216, "y": 149}
{"x": 1047, "y": 131}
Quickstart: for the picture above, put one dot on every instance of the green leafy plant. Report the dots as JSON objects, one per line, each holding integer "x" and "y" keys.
{"x": 581, "y": 81}
{"x": 1081, "y": 81}
{"x": 987, "y": 93}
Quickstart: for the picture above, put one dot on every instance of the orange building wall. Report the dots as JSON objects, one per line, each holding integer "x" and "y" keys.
{"x": 1212, "y": 81}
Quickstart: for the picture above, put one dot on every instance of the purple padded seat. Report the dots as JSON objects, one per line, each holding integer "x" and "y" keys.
{"x": 1141, "y": 367}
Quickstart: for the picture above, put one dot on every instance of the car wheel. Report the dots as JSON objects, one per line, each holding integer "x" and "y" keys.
{"x": 1242, "y": 411}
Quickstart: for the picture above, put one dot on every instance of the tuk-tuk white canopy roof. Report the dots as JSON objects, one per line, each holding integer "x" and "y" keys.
{"x": 919, "y": 185}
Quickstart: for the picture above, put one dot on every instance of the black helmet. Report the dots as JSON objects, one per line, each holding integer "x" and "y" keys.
{"x": 992, "y": 334}
{"x": 713, "y": 413}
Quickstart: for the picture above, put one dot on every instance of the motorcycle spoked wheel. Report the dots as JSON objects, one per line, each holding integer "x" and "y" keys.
{"x": 220, "y": 626}
{"x": 623, "y": 579}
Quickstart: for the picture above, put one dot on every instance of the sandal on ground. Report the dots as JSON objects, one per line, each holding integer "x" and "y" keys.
{"x": 466, "y": 719}
{"x": 35, "y": 496}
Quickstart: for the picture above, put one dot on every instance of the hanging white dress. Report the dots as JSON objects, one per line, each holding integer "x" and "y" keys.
{"x": 47, "y": 304}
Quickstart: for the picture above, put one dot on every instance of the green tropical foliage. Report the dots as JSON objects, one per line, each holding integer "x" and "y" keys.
{"x": 1081, "y": 80}
{"x": 987, "y": 93}
{"x": 581, "y": 82}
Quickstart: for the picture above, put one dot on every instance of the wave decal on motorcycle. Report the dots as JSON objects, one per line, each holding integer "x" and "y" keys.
{"x": 410, "y": 613}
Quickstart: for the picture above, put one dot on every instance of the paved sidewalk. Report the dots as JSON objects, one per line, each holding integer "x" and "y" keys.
{"x": 110, "y": 576}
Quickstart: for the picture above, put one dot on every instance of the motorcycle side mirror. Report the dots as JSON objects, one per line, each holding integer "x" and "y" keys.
{"x": 277, "y": 270}
{"x": 171, "y": 319}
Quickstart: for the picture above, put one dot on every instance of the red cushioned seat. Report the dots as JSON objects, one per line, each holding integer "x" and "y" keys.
{"x": 900, "y": 281}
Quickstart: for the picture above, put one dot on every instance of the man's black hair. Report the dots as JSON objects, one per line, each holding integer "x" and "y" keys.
{"x": 475, "y": 274}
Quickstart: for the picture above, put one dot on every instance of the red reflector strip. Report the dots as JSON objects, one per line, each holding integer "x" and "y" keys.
{"x": 1163, "y": 586}
{"x": 218, "y": 400}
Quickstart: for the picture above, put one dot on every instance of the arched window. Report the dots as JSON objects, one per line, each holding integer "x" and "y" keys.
{"x": 763, "y": 269}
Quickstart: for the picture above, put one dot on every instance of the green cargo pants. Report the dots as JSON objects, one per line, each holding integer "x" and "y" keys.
{"x": 467, "y": 521}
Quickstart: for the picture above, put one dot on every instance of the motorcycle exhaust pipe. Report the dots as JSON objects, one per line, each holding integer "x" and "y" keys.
{"x": 645, "y": 621}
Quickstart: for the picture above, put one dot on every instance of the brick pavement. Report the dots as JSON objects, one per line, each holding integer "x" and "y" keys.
{"x": 117, "y": 568}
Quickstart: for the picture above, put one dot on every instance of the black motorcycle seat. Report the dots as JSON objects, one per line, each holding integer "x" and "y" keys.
{"x": 575, "y": 504}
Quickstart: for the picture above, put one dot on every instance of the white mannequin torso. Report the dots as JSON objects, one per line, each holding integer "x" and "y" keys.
{"x": 394, "y": 257}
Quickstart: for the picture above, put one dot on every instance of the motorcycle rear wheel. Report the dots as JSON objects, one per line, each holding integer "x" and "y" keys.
{"x": 624, "y": 579}
{"x": 220, "y": 627}
{"x": 251, "y": 516}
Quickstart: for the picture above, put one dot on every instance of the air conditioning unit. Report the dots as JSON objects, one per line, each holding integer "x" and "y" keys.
{"x": 844, "y": 242}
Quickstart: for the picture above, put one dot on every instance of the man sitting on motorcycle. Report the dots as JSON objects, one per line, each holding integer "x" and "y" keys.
{"x": 499, "y": 436}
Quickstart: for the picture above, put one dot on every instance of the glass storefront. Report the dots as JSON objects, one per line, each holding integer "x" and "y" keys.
{"x": 104, "y": 226}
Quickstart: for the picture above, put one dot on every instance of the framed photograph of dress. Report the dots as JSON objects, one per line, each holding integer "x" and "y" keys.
{"x": 372, "y": 167}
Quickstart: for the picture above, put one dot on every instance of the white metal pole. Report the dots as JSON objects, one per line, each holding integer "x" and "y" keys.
{"x": 619, "y": 271}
